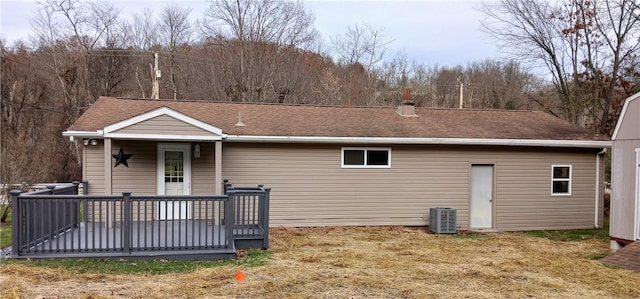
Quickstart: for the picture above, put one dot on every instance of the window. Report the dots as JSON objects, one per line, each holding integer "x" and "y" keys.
{"x": 366, "y": 157}
{"x": 561, "y": 180}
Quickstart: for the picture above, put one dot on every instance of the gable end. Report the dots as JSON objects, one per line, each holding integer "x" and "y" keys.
{"x": 628, "y": 126}
{"x": 163, "y": 123}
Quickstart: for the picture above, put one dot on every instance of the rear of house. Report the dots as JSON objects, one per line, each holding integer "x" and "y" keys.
{"x": 625, "y": 176}
{"x": 501, "y": 170}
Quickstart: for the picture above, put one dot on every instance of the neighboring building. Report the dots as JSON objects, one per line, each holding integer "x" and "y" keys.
{"x": 501, "y": 170}
{"x": 625, "y": 176}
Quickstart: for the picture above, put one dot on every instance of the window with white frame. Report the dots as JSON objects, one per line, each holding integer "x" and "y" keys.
{"x": 561, "y": 180}
{"x": 357, "y": 157}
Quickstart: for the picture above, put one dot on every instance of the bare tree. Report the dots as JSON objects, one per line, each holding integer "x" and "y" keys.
{"x": 582, "y": 43}
{"x": 176, "y": 32}
{"x": 362, "y": 46}
{"x": 74, "y": 40}
{"x": 143, "y": 30}
{"x": 256, "y": 31}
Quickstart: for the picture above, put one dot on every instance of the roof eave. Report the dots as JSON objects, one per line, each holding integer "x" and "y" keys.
{"x": 407, "y": 140}
{"x": 83, "y": 134}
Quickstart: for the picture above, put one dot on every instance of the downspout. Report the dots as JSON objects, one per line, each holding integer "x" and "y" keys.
{"x": 596, "y": 223}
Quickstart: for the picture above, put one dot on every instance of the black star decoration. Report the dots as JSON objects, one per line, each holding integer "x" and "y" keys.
{"x": 121, "y": 158}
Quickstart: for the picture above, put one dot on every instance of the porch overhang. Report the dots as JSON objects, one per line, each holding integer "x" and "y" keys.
{"x": 161, "y": 124}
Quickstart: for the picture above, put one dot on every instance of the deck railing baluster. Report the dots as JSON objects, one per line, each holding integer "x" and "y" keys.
{"x": 126, "y": 222}
{"x": 65, "y": 214}
{"x": 178, "y": 220}
{"x": 85, "y": 221}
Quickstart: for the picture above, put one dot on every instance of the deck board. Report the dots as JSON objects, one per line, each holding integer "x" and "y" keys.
{"x": 145, "y": 235}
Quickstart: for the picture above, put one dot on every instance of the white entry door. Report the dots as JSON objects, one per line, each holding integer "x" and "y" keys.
{"x": 174, "y": 178}
{"x": 481, "y": 206}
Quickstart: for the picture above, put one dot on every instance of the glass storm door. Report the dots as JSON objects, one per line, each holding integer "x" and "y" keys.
{"x": 174, "y": 179}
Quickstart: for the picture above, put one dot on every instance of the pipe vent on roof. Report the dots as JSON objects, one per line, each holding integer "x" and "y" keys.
{"x": 407, "y": 108}
{"x": 240, "y": 123}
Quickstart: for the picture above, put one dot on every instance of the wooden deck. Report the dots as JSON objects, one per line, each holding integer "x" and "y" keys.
{"x": 147, "y": 238}
{"x": 61, "y": 224}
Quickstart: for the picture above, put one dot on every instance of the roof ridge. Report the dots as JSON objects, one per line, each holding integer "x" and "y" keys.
{"x": 478, "y": 109}
{"x": 318, "y": 105}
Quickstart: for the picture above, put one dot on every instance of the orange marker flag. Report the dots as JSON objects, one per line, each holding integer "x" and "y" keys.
{"x": 240, "y": 276}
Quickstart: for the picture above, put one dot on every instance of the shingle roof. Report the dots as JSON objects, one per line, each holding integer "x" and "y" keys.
{"x": 326, "y": 121}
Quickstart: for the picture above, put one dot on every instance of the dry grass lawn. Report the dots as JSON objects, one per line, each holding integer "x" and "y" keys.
{"x": 356, "y": 262}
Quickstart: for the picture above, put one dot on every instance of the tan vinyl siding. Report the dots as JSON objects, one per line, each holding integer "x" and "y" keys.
{"x": 310, "y": 188}
{"x": 203, "y": 181}
{"x": 141, "y": 176}
{"x": 630, "y": 126}
{"x": 523, "y": 191}
{"x": 203, "y": 171}
{"x": 623, "y": 178}
{"x": 163, "y": 125}
{"x": 94, "y": 168}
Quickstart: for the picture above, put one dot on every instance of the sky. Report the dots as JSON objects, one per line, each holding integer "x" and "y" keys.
{"x": 431, "y": 32}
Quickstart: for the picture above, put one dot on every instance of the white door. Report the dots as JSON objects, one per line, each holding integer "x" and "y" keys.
{"x": 481, "y": 206}
{"x": 174, "y": 175}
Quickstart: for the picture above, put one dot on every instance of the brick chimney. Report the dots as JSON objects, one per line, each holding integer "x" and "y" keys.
{"x": 407, "y": 108}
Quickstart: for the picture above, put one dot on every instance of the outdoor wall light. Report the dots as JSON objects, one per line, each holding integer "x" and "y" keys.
{"x": 196, "y": 151}
{"x": 90, "y": 141}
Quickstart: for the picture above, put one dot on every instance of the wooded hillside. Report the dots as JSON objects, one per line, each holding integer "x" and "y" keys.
{"x": 269, "y": 51}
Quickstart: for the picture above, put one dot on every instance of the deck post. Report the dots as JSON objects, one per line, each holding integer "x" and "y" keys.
{"x": 51, "y": 189}
{"x": 265, "y": 218}
{"x": 226, "y": 185}
{"x": 229, "y": 214}
{"x": 126, "y": 222}
{"x": 85, "y": 204}
{"x": 16, "y": 217}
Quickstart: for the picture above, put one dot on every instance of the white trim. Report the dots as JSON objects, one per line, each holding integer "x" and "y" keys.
{"x": 561, "y": 180}
{"x": 409, "y": 140}
{"x": 158, "y": 112}
{"x": 366, "y": 150}
{"x": 596, "y": 222}
{"x": 83, "y": 134}
{"x": 627, "y": 102}
{"x": 352, "y": 140}
{"x": 636, "y": 228}
{"x": 184, "y": 147}
{"x": 163, "y": 137}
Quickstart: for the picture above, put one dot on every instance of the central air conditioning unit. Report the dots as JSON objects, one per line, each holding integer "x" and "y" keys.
{"x": 442, "y": 220}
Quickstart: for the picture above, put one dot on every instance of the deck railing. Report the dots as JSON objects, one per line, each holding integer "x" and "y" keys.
{"x": 54, "y": 224}
{"x": 250, "y": 213}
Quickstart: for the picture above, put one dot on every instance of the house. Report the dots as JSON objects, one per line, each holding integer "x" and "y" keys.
{"x": 501, "y": 170}
{"x": 625, "y": 176}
